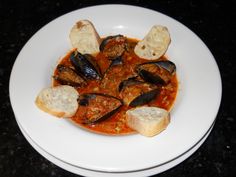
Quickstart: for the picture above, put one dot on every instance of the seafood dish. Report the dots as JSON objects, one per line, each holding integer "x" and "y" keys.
{"x": 117, "y": 74}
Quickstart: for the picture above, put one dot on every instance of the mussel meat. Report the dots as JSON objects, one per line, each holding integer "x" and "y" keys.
{"x": 157, "y": 72}
{"x": 86, "y": 65}
{"x": 68, "y": 76}
{"x": 135, "y": 92}
{"x": 96, "y": 107}
{"x": 113, "y": 46}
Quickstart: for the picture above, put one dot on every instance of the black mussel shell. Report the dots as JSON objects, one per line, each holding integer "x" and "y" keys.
{"x": 98, "y": 106}
{"x": 85, "y": 65}
{"x": 135, "y": 92}
{"x": 128, "y": 82}
{"x": 113, "y": 46}
{"x": 107, "y": 40}
{"x": 150, "y": 77}
{"x": 116, "y": 62}
{"x": 145, "y": 98}
{"x": 167, "y": 65}
{"x": 68, "y": 76}
{"x": 156, "y": 72}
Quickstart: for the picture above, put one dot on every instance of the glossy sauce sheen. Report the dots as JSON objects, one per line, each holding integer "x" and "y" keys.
{"x": 115, "y": 125}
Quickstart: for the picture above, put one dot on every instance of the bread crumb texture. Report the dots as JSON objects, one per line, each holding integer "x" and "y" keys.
{"x": 84, "y": 37}
{"x": 154, "y": 44}
{"x": 148, "y": 121}
{"x": 60, "y": 101}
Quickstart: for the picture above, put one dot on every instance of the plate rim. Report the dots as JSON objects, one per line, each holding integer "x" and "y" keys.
{"x": 126, "y": 6}
{"x": 63, "y": 165}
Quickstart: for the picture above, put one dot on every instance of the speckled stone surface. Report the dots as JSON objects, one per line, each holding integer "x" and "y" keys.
{"x": 213, "y": 22}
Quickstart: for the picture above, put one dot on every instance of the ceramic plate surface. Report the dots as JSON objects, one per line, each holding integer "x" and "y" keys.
{"x": 91, "y": 173}
{"x": 194, "y": 112}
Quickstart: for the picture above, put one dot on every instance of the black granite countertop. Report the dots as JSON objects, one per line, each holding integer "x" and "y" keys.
{"x": 212, "y": 21}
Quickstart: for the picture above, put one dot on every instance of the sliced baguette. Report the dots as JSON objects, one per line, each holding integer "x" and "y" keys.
{"x": 60, "y": 101}
{"x": 154, "y": 44}
{"x": 84, "y": 37}
{"x": 148, "y": 121}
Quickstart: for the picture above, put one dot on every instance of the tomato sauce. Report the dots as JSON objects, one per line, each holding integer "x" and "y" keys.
{"x": 116, "y": 124}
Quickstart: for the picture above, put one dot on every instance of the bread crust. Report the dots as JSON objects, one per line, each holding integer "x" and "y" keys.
{"x": 41, "y": 105}
{"x": 84, "y": 37}
{"x": 60, "y": 101}
{"x": 154, "y": 44}
{"x": 152, "y": 124}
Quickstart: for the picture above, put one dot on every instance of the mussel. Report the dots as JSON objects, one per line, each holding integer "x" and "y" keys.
{"x": 68, "y": 76}
{"x": 135, "y": 92}
{"x": 113, "y": 46}
{"x": 86, "y": 65}
{"x": 116, "y": 62}
{"x": 130, "y": 81}
{"x": 157, "y": 72}
{"x": 96, "y": 107}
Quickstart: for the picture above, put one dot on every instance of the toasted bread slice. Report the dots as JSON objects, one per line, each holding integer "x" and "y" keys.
{"x": 154, "y": 44}
{"x": 60, "y": 101}
{"x": 148, "y": 121}
{"x": 84, "y": 37}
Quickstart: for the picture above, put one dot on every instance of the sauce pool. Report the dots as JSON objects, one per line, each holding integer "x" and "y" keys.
{"x": 116, "y": 124}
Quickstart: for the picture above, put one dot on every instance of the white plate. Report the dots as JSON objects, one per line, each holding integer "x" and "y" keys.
{"x": 90, "y": 173}
{"x": 196, "y": 106}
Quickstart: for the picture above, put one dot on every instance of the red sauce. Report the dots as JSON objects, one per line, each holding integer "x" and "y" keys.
{"x": 115, "y": 125}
